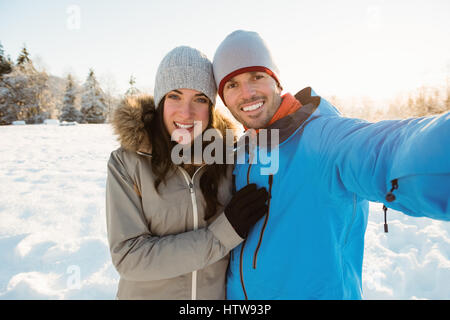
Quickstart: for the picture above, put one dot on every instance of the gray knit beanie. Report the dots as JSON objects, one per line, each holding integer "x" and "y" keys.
{"x": 184, "y": 68}
{"x": 242, "y": 51}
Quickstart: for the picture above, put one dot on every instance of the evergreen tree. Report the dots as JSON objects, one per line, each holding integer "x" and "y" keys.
{"x": 5, "y": 63}
{"x": 132, "y": 91}
{"x": 93, "y": 106}
{"x": 24, "y": 57}
{"x": 8, "y": 110}
{"x": 69, "y": 112}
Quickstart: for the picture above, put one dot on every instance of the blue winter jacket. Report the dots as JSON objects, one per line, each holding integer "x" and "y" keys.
{"x": 310, "y": 244}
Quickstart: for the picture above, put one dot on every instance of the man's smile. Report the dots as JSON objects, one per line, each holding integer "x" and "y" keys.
{"x": 253, "y": 107}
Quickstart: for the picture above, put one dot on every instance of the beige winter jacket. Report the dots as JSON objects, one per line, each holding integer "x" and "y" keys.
{"x": 160, "y": 244}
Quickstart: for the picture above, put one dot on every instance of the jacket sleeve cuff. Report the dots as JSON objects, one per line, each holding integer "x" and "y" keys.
{"x": 224, "y": 232}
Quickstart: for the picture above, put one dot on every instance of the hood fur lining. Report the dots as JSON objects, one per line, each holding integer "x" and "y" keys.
{"x": 128, "y": 123}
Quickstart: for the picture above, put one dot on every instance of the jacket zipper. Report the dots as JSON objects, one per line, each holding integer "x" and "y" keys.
{"x": 255, "y": 256}
{"x": 241, "y": 269}
{"x": 389, "y": 198}
{"x": 190, "y": 183}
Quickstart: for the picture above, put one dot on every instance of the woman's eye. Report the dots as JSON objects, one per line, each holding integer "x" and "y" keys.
{"x": 202, "y": 100}
{"x": 173, "y": 96}
{"x": 258, "y": 76}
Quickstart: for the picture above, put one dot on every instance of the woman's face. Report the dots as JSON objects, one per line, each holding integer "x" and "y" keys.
{"x": 186, "y": 114}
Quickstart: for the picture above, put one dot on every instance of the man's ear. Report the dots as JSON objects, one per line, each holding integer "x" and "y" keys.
{"x": 279, "y": 87}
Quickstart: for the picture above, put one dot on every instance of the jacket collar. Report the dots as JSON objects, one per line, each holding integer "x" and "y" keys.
{"x": 290, "y": 123}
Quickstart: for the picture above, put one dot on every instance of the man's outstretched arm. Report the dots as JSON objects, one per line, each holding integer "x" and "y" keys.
{"x": 409, "y": 157}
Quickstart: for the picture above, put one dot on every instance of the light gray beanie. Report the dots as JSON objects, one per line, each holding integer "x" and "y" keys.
{"x": 184, "y": 67}
{"x": 242, "y": 51}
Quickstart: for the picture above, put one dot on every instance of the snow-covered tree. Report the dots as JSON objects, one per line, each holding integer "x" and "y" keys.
{"x": 5, "y": 63}
{"x": 109, "y": 87}
{"x": 25, "y": 94}
{"x": 69, "y": 112}
{"x": 132, "y": 91}
{"x": 93, "y": 106}
{"x": 8, "y": 110}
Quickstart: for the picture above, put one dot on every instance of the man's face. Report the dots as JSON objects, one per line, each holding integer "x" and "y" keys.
{"x": 252, "y": 98}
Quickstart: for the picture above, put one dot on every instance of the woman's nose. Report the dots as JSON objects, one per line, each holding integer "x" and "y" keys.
{"x": 186, "y": 109}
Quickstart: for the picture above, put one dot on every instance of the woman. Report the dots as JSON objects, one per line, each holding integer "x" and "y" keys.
{"x": 170, "y": 227}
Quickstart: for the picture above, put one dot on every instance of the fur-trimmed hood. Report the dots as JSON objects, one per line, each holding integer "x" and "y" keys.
{"x": 128, "y": 123}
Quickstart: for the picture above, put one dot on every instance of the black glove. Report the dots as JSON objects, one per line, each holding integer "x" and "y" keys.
{"x": 246, "y": 207}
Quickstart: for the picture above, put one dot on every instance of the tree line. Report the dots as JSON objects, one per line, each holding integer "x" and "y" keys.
{"x": 32, "y": 95}
{"x": 420, "y": 102}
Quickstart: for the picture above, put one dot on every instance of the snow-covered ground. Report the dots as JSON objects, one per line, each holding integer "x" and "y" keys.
{"x": 53, "y": 235}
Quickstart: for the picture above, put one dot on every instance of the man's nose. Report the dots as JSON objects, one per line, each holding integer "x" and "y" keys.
{"x": 247, "y": 90}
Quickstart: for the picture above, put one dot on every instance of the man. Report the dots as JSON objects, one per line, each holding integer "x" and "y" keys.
{"x": 310, "y": 244}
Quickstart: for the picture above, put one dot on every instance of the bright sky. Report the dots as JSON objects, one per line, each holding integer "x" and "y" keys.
{"x": 346, "y": 48}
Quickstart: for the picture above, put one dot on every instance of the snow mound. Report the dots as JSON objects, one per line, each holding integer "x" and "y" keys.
{"x": 54, "y": 122}
{"x": 68, "y": 123}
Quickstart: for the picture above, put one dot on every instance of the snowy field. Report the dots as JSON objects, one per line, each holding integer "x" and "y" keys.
{"x": 53, "y": 235}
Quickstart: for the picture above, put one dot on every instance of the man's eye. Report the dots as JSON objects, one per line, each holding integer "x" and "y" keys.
{"x": 231, "y": 85}
{"x": 259, "y": 76}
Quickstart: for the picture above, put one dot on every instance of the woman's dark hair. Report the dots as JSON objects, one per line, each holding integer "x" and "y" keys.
{"x": 161, "y": 157}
